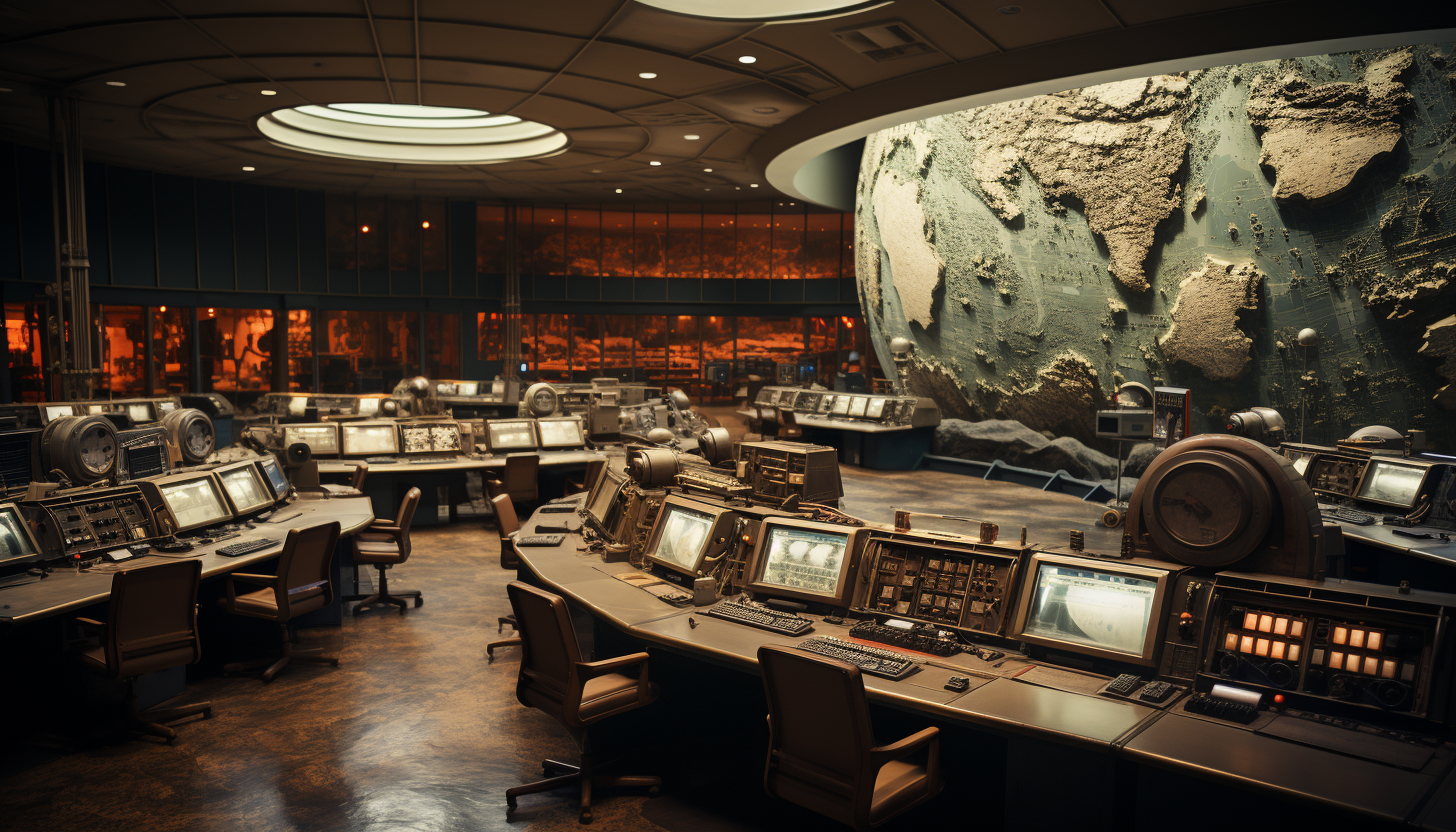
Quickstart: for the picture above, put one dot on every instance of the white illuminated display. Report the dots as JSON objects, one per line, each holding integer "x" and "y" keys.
{"x": 410, "y": 134}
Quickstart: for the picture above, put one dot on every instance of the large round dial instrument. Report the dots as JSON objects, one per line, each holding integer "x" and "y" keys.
{"x": 82, "y": 448}
{"x": 1208, "y": 508}
{"x": 190, "y": 430}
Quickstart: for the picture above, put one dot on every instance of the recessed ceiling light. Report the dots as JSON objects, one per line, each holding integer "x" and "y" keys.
{"x": 619, "y": 190}
{"x": 692, "y": 137}
{"x": 655, "y": 163}
{"x": 268, "y": 92}
{"x": 747, "y": 59}
{"x": 647, "y": 76}
{"x": 753, "y": 185}
{"x": 736, "y": 188}
{"x": 410, "y": 134}
{"x": 249, "y": 167}
{"x": 707, "y": 170}
{"x": 425, "y": 224}
{"x": 1009, "y": 9}
{"x": 115, "y": 83}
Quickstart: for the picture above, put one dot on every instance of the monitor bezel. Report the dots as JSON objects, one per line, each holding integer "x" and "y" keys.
{"x": 45, "y": 412}
{"x": 333, "y": 426}
{"x": 1393, "y": 462}
{"x": 580, "y": 433}
{"x": 262, "y": 463}
{"x": 490, "y": 436}
{"x": 844, "y": 589}
{"x": 258, "y": 477}
{"x": 613, "y": 480}
{"x": 36, "y": 555}
{"x": 720, "y": 515}
{"x": 1152, "y": 637}
{"x": 346, "y": 427}
{"x": 220, "y": 491}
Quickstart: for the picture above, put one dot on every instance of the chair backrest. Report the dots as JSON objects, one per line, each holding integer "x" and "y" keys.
{"x": 404, "y": 519}
{"x": 153, "y": 611}
{"x": 361, "y": 472}
{"x": 548, "y": 679}
{"x": 519, "y": 476}
{"x": 307, "y": 556}
{"x": 819, "y": 732}
{"x": 507, "y": 524}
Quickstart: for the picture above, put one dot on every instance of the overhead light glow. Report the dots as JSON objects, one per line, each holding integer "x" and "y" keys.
{"x": 747, "y": 59}
{"x": 268, "y": 92}
{"x": 249, "y": 167}
{"x": 647, "y": 76}
{"x": 766, "y": 9}
{"x": 425, "y": 224}
{"x": 619, "y": 190}
{"x": 115, "y": 83}
{"x": 753, "y": 184}
{"x": 655, "y": 163}
{"x": 692, "y": 137}
{"x": 364, "y": 228}
{"x": 410, "y": 134}
{"x": 707, "y": 170}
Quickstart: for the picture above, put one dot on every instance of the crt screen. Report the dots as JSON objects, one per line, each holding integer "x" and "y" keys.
{"x": 1391, "y": 483}
{"x": 13, "y": 542}
{"x": 1095, "y": 609}
{"x": 511, "y": 435}
{"x": 139, "y": 412}
{"x": 804, "y": 559}
{"x": 556, "y": 434}
{"x": 321, "y": 439}
{"x": 368, "y": 407}
{"x": 370, "y": 439}
{"x": 275, "y": 475}
{"x": 466, "y": 388}
{"x": 59, "y": 410}
{"x": 602, "y": 500}
{"x": 684, "y": 536}
{"x": 193, "y": 503}
{"x": 875, "y": 409}
{"x": 857, "y": 406}
{"x": 242, "y": 485}
{"x": 841, "y": 405}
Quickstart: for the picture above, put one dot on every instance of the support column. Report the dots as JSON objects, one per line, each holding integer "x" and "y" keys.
{"x": 70, "y": 331}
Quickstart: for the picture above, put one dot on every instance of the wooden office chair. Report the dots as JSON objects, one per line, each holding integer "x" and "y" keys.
{"x": 821, "y": 752}
{"x": 361, "y": 473}
{"x": 589, "y": 476}
{"x": 575, "y": 693}
{"x": 151, "y": 625}
{"x": 384, "y": 544}
{"x": 517, "y": 479}
{"x": 507, "y": 525}
{"x": 304, "y": 583}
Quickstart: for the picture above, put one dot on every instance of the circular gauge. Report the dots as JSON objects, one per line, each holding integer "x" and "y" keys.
{"x": 82, "y": 448}
{"x": 1208, "y": 508}
{"x": 541, "y": 399}
{"x": 191, "y": 432}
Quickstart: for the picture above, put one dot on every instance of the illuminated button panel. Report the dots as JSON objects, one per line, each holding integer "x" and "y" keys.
{"x": 941, "y": 585}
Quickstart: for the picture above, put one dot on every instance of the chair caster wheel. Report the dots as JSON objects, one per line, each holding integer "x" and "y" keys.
{"x": 510, "y": 803}
{"x": 419, "y": 602}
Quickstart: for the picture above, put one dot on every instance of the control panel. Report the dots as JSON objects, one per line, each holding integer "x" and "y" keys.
{"x": 778, "y": 470}
{"x": 1335, "y": 476}
{"x": 84, "y": 524}
{"x": 968, "y": 586}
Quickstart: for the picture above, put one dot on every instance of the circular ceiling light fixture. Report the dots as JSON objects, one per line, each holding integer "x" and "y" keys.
{"x": 766, "y": 9}
{"x": 747, "y": 59}
{"x": 410, "y": 134}
{"x": 647, "y": 76}
{"x": 115, "y": 83}
{"x": 267, "y": 92}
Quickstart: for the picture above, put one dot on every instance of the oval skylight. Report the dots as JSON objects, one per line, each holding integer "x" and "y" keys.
{"x": 765, "y": 9}
{"x": 410, "y": 134}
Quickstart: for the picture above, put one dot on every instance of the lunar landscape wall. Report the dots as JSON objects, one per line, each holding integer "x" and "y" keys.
{"x": 1180, "y": 229}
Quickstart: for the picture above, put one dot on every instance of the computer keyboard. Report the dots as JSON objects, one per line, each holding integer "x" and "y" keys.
{"x": 757, "y": 615}
{"x": 381, "y": 460}
{"x": 541, "y": 540}
{"x": 1349, "y": 515}
{"x": 871, "y": 660}
{"x": 430, "y": 460}
{"x": 246, "y": 547}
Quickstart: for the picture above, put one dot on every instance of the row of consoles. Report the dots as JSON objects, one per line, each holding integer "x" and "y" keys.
{"x": 85, "y": 525}
{"x": 429, "y": 439}
{"x": 1233, "y": 641}
{"x": 1365, "y": 487}
{"x": 794, "y": 405}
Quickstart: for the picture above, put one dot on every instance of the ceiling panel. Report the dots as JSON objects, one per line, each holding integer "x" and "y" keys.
{"x": 1134, "y": 12}
{"x": 1040, "y": 22}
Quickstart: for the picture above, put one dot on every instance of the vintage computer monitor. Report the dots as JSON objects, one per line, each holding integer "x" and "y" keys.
{"x": 17, "y": 544}
{"x": 557, "y": 434}
{"x": 1101, "y": 610}
{"x": 141, "y": 413}
{"x": 807, "y": 562}
{"x": 511, "y": 435}
{"x": 601, "y": 506}
{"x": 19, "y": 460}
{"x": 1393, "y": 482}
{"x": 273, "y": 474}
{"x": 322, "y": 439}
{"x": 687, "y": 533}
{"x": 245, "y": 488}
{"x": 191, "y": 501}
{"x": 368, "y": 438}
{"x": 430, "y": 438}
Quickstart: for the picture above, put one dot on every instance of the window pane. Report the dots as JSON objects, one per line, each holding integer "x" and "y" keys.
{"x": 490, "y": 239}
{"x": 685, "y": 241}
{"x": 755, "y": 238}
{"x": 172, "y": 350}
{"x": 720, "y": 257}
{"x": 236, "y": 345}
{"x": 123, "y": 350}
{"x": 404, "y": 236}
{"x": 846, "y": 246}
{"x": 434, "y": 234}
{"x": 586, "y": 346}
{"x": 651, "y": 239}
{"x": 488, "y": 336}
{"x": 584, "y": 240}
{"x": 651, "y": 346}
{"x": 548, "y": 238}
{"x": 442, "y": 345}
{"x": 396, "y": 353}
{"x": 684, "y": 348}
{"x": 823, "y": 334}
{"x": 618, "y": 338}
{"x": 788, "y": 241}
{"x": 347, "y": 338}
{"x": 342, "y": 231}
{"x": 779, "y": 339}
{"x": 528, "y": 342}
{"x": 552, "y": 346}
{"x": 373, "y": 239}
{"x": 300, "y": 349}
{"x": 617, "y": 243}
{"x": 821, "y": 246}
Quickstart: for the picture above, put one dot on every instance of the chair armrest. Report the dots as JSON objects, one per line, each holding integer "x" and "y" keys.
{"x": 388, "y": 531}
{"x": 590, "y": 670}
{"x": 90, "y": 622}
{"x": 249, "y": 578}
{"x": 381, "y": 525}
{"x": 896, "y": 750}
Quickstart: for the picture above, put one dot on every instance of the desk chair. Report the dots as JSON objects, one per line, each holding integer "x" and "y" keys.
{"x": 575, "y": 693}
{"x": 304, "y": 583}
{"x": 517, "y": 479}
{"x": 361, "y": 473}
{"x": 384, "y": 544}
{"x": 507, "y": 525}
{"x": 821, "y": 752}
{"x": 589, "y": 476}
{"x": 151, "y": 625}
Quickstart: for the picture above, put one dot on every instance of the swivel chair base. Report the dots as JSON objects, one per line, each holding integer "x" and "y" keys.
{"x": 289, "y": 653}
{"x": 514, "y": 641}
{"x": 151, "y": 721}
{"x": 384, "y": 596}
{"x": 582, "y": 777}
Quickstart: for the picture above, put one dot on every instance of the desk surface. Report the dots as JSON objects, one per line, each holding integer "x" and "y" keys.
{"x": 1384, "y": 537}
{"x": 549, "y": 459}
{"x": 66, "y": 589}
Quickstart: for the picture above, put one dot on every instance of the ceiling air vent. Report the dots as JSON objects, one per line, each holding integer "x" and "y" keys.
{"x": 885, "y": 42}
